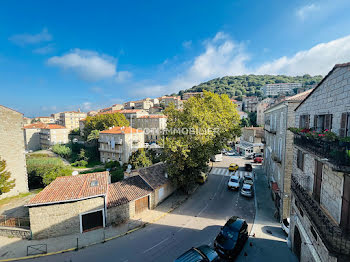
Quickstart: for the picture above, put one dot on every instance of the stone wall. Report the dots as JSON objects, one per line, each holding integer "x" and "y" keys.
{"x": 161, "y": 193}
{"x": 120, "y": 214}
{"x": 60, "y": 219}
{"x": 15, "y": 232}
{"x": 12, "y": 149}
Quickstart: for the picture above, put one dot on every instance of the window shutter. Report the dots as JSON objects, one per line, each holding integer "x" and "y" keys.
{"x": 315, "y": 122}
{"x": 300, "y": 121}
{"x": 328, "y": 122}
{"x": 307, "y": 121}
{"x": 343, "y": 123}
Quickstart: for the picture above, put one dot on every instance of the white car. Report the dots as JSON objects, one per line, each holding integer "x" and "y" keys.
{"x": 247, "y": 190}
{"x": 233, "y": 182}
{"x": 285, "y": 225}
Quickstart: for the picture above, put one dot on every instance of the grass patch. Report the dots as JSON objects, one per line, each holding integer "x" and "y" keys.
{"x": 98, "y": 169}
{"x": 9, "y": 199}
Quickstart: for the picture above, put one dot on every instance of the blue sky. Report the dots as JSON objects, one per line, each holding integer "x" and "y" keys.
{"x": 64, "y": 55}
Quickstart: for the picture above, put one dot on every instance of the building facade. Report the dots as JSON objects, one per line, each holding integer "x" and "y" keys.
{"x": 320, "y": 205}
{"x": 250, "y": 104}
{"x": 238, "y": 103}
{"x": 186, "y": 96}
{"x": 12, "y": 149}
{"x": 261, "y": 107}
{"x": 279, "y": 88}
{"x": 53, "y": 134}
{"x": 278, "y": 155}
{"x": 250, "y": 141}
{"x": 165, "y": 101}
{"x": 32, "y": 136}
{"x": 109, "y": 109}
{"x": 70, "y": 119}
{"x": 153, "y": 127}
{"x": 118, "y": 143}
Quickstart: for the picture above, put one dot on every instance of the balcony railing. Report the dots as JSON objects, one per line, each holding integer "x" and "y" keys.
{"x": 335, "y": 152}
{"x": 334, "y": 237}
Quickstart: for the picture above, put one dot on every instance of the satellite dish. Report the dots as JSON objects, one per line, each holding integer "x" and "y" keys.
{"x": 74, "y": 173}
{"x": 129, "y": 168}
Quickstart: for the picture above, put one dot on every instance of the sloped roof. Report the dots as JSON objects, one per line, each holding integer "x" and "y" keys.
{"x": 35, "y": 125}
{"x": 300, "y": 96}
{"x": 72, "y": 188}
{"x": 127, "y": 190}
{"x": 320, "y": 83}
{"x": 153, "y": 175}
{"x": 121, "y": 130}
{"x": 53, "y": 126}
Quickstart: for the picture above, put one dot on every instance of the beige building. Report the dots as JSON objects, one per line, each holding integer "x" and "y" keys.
{"x": 44, "y": 119}
{"x": 187, "y": 96}
{"x": 70, "y": 119}
{"x": 320, "y": 203}
{"x": 32, "y": 136}
{"x": 53, "y": 134}
{"x": 278, "y": 155}
{"x": 12, "y": 149}
{"x": 251, "y": 141}
{"x": 165, "y": 101}
{"x": 118, "y": 143}
{"x": 152, "y": 126}
{"x": 112, "y": 108}
{"x": 27, "y": 121}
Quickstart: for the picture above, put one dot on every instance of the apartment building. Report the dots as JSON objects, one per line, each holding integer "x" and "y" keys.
{"x": 32, "y": 136}
{"x": 187, "y": 96}
{"x": 132, "y": 114}
{"x": 53, "y": 134}
{"x": 44, "y": 119}
{"x": 152, "y": 126}
{"x": 320, "y": 204}
{"x": 250, "y": 141}
{"x": 250, "y": 104}
{"x": 261, "y": 107}
{"x": 144, "y": 104}
{"x": 278, "y": 157}
{"x": 118, "y": 143}
{"x": 12, "y": 149}
{"x": 70, "y": 119}
{"x": 280, "y": 88}
{"x": 111, "y": 108}
{"x": 165, "y": 101}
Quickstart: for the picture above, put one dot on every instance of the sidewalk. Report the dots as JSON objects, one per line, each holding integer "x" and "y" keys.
{"x": 15, "y": 247}
{"x": 267, "y": 242}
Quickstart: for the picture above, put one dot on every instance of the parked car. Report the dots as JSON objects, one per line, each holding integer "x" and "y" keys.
{"x": 248, "y": 176}
{"x": 231, "y": 153}
{"x": 250, "y": 156}
{"x": 216, "y": 158}
{"x": 233, "y": 167}
{"x": 258, "y": 159}
{"x": 233, "y": 182}
{"x": 248, "y": 167}
{"x": 202, "y": 178}
{"x": 285, "y": 225}
{"x": 232, "y": 237}
{"x": 200, "y": 254}
{"x": 247, "y": 190}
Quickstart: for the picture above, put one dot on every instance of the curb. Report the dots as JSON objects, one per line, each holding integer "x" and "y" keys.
{"x": 95, "y": 243}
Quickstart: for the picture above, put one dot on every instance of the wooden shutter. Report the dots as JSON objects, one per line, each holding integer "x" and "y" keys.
{"x": 328, "y": 122}
{"x": 300, "y": 121}
{"x": 307, "y": 121}
{"x": 317, "y": 181}
{"x": 315, "y": 122}
{"x": 345, "y": 210}
{"x": 343, "y": 122}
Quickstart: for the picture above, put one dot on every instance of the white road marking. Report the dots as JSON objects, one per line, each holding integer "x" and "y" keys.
{"x": 155, "y": 245}
{"x": 220, "y": 171}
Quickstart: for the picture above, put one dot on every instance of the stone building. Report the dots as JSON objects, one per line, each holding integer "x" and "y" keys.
{"x": 53, "y": 134}
{"x": 152, "y": 126}
{"x": 238, "y": 103}
{"x": 70, "y": 119}
{"x": 118, "y": 143}
{"x": 261, "y": 107}
{"x": 250, "y": 141}
{"x": 12, "y": 149}
{"x": 278, "y": 155}
{"x": 320, "y": 204}
{"x": 187, "y": 96}
{"x": 250, "y": 103}
{"x": 32, "y": 136}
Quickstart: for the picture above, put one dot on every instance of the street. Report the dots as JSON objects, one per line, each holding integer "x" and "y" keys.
{"x": 195, "y": 223}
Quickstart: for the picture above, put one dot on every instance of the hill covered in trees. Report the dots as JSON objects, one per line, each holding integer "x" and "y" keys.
{"x": 249, "y": 85}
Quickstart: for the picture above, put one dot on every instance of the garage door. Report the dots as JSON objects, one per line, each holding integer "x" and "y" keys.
{"x": 92, "y": 221}
{"x": 141, "y": 205}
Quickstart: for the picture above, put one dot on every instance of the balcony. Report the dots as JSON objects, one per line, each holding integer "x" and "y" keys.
{"x": 119, "y": 151}
{"x": 335, "y": 152}
{"x": 269, "y": 128}
{"x": 334, "y": 237}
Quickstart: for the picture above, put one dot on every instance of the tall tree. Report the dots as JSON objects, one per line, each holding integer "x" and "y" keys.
{"x": 102, "y": 122}
{"x": 139, "y": 159}
{"x": 5, "y": 184}
{"x": 197, "y": 132}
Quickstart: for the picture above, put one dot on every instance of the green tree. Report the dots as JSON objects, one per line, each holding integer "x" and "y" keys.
{"x": 139, "y": 159}
{"x": 201, "y": 129}
{"x": 93, "y": 136}
{"x": 245, "y": 122}
{"x": 5, "y": 184}
{"x": 82, "y": 155}
{"x": 51, "y": 174}
{"x": 252, "y": 118}
{"x": 62, "y": 150}
{"x": 104, "y": 121}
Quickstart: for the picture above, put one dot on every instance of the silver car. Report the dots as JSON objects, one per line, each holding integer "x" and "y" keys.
{"x": 247, "y": 190}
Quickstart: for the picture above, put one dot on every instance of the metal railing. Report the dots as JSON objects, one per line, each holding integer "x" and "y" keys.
{"x": 336, "y": 152}
{"x": 36, "y": 249}
{"x": 21, "y": 222}
{"x": 333, "y": 236}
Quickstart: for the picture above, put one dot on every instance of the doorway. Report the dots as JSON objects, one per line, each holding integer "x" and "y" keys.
{"x": 297, "y": 243}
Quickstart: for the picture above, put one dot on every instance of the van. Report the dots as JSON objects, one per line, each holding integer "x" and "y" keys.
{"x": 217, "y": 158}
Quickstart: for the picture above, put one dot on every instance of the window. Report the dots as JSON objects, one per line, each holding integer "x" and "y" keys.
{"x": 304, "y": 121}
{"x": 323, "y": 122}
{"x": 344, "y": 125}
{"x": 313, "y": 232}
{"x": 300, "y": 160}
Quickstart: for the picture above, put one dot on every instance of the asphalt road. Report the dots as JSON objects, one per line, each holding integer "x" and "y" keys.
{"x": 195, "y": 223}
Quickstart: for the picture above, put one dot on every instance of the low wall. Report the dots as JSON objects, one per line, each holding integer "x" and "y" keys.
{"x": 15, "y": 232}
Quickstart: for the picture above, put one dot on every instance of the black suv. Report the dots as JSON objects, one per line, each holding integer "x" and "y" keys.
{"x": 231, "y": 238}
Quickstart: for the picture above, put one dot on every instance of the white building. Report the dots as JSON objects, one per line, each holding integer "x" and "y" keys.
{"x": 280, "y": 88}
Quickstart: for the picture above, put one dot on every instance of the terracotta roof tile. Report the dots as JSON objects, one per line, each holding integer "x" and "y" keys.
{"x": 71, "y": 188}
{"x": 121, "y": 130}
{"x": 53, "y": 126}
{"x": 35, "y": 125}
{"x": 127, "y": 190}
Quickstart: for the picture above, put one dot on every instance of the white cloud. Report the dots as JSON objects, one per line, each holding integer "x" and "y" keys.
{"x": 44, "y": 50}
{"x": 88, "y": 65}
{"x": 123, "y": 76}
{"x": 316, "y": 61}
{"x": 222, "y": 56}
{"x": 26, "y": 39}
{"x": 187, "y": 44}
{"x": 307, "y": 10}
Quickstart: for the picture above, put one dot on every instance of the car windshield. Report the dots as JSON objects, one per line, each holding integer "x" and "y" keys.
{"x": 227, "y": 234}
{"x": 234, "y": 180}
{"x": 246, "y": 189}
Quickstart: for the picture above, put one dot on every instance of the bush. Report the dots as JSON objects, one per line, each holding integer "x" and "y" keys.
{"x": 117, "y": 175}
{"x": 81, "y": 163}
{"x": 62, "y": 150}
{"x": 99, "y": 169}
{"x": 112, "y": 164}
